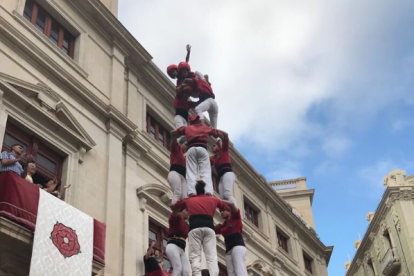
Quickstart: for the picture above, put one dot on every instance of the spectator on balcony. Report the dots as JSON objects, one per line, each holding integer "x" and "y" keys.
{"x": 151, "y": 260}
{"x": 29, "y": 171}
{"x": 10, "y": 161}
{"x": 51, "y": 186}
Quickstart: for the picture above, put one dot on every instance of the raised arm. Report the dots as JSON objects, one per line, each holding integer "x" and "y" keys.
{"x": 178, "y": 132}
{"x": 187, "y": 58}
{"x": 149, "y": 250}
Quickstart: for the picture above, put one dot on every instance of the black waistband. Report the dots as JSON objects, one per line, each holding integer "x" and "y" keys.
{"x": 222, "y": 172}
{"x": 177, "y": 239}
{"x": 223, "y": 168}
{"x": 233, "y": 240}
{"x": 182, "y": 112}
{"x": 197, "y": 143}
{"x": 204, "y": 97}
{"x": 178, "y": 168}
{"x": 198, "y": 221}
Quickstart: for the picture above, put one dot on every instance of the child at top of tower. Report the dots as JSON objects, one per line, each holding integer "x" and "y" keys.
{"x": 183, "y": 70}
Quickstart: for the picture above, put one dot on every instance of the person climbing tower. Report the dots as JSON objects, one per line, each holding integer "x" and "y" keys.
{"x": 197, "y": 156}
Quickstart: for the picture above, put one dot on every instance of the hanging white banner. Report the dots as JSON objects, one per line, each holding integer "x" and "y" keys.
{"x": 63, "y": 240}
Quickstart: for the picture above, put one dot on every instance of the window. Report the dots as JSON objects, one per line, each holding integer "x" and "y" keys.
{"x": 48, "y": 163}
{"x": 160, "y": 236}
{"x": 46, "y": 24}
{"x": 370, "y": 268}
{"x": 222, "y": 270}
{"x": 158, "y": 132}
{"x": 251, "y": 214}
{"x": 282, "y": 241}
{"x": 308, "y": 263}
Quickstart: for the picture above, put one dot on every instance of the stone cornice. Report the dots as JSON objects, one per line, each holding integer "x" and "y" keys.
{"x": 391, "y": 194}
{"x": 109, "y": 24}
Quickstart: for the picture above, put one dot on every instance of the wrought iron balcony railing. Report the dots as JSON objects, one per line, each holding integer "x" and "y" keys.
{"x": 390, "y": 262}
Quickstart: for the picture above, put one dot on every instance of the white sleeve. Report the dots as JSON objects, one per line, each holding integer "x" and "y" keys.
{"x": 200, "y": 75}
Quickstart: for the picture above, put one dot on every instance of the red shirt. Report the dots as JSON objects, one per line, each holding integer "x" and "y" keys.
{"x": 177, "y": 156}
{"x": 178, "y": 226}
{"x": 197, "y": 134}
{"x": 180, "y": 79}
{"x": 181, "y": 102}
{"x": 201, "y": 205}
{"x": 223, "y": 156}
{"x": 232, "y": 225}
{"x": 204, "y": 88}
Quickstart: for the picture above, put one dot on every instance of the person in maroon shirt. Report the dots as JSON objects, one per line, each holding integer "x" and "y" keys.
{"x": 177, "y": 234}
{"x": 201, "y": 209}
{"x": 231, "y": 229}
{"x": 197, "y": 155}
{"x": 176, "y": 176}
{"x": 207, "y": 102}
{"x": 221, "y": 162}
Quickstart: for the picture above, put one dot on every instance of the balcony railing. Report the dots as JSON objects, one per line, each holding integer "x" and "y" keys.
{"x": 390, "y": 262}
{"x": 288, "y": 185}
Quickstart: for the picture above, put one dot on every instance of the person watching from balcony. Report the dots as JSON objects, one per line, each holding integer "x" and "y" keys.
{"x": 51, "y": 186}
{"x": 29, "y": 171}
{"x": 10, "y": 161}
{"x": 151, "y": 260}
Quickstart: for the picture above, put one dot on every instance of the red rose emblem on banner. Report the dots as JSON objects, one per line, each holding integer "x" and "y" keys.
{"x": 65, "y": 240}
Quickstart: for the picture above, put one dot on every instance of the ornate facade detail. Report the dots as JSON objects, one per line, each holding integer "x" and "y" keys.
{"x": 367, "y": 257}
{"x": 406, "y": 195}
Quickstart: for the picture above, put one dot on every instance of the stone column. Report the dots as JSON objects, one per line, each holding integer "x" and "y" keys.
{"x": 114, "y": 201}
{"x": 3, "y": 118}
{"x": 132, "y": 207}
{"x": 118, "y": 95}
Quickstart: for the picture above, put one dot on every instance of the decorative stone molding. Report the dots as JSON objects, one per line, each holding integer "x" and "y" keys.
{"x": 370, "y": 216}
{"x": 357, "y": 243}
{"x": 405, "y": 194}
{"x": 372, "y": 236}
{"x": 395, "y": 178}
{"x": 142, "y": 203}
{"x": 157, "y": 196}
{"x": 259, "y": 268}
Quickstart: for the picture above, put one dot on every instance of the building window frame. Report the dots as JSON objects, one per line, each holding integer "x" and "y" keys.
{"x": 251, "y": 213}
{"x": 161, "y": 241}
{"x": 158, "y": 132}
{"x": 50, "y": 27}
{"x": 34, "y": 146}
{"x": 283, "y": 241}
{"x": 308, "y": 263}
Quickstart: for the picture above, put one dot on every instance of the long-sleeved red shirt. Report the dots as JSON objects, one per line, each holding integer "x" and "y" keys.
{"x": 177, "y": 156}
{"x": 201, "y": 205}
{"x": 204, "y": 89}
{"x": 197, "y": 134}
{"x": 221, "y": 160}
{"x": 232, "y": 225}
{"x": 177, "y": 226}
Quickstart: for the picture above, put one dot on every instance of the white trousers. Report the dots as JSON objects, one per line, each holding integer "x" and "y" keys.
{"x": 179, "y": 121}
{"x": 203, "y": 238}
{"x": 235, "y": 261}
{"x": 178, "y": 186}
{"x": 209, "y": 105}
{"x": 198, "y": 161}
{"x": 178, "y": 260}
{"x": 226, "y": 187}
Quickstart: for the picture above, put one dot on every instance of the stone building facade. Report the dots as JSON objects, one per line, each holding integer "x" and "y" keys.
{"x": 87, "y": 101}
{"x": 387, "y": 247}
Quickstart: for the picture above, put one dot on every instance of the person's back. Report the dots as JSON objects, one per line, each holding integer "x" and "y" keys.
{"x": 201, "y": 209}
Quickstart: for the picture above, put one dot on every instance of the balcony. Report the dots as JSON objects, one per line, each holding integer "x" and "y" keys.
{"x": 19, "y": 201}
{"x": 390, "y": 263}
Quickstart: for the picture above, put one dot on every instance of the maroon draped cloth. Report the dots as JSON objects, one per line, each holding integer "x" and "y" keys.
{"x": 19, "y": 201}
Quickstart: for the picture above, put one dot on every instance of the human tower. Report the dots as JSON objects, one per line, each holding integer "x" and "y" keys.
{"x": 193, "y": 198}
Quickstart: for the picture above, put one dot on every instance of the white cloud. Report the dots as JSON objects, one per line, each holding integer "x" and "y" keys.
{"x": 286, "y": 170}
{"x": 272, "y": 64}
{"x": 373, "y": 175}
{"x": 401, "y": 124}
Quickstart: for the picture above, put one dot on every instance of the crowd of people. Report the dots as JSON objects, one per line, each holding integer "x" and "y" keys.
{"x": 190, "y": 179}
{"x": 23, "y": 165}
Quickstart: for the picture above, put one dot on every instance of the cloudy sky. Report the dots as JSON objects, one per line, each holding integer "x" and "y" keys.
{"x": 322, "y": 89}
